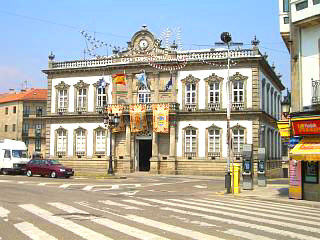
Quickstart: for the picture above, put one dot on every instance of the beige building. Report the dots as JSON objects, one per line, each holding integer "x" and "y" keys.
{"x": 23, "y": 118}
{"x": 191, "y": 84}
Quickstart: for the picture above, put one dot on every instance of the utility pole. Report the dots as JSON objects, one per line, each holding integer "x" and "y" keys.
{"x": 227, "y": 41}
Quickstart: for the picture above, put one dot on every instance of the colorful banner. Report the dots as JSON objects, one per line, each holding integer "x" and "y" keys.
{"x": 138, "y": 118}
{"x": 308, "y": 149}
{"x": 284, "y": 128}
{"x": 119, "y": 78}
{"x": 306, "y": 127}
{"x": 161, "y": 118}
{"x": 295, "y": 188}
{"x": 118, "y": 109}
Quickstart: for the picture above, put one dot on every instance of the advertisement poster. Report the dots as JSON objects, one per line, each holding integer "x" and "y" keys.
{"x": 306, "y": 127}
{"x": 295, "y": 188}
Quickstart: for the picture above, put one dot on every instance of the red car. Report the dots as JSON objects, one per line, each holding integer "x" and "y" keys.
{"x": 46, "y": 167}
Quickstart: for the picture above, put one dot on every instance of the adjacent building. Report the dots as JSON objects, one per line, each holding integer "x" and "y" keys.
{"x": 23, "y": 118}
{"x": 188, "y": 86}
{"x": 300, "y": 30}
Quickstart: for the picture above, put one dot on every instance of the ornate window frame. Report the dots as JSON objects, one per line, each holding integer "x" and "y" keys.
{"x": 190, "y": 79}
{"x": 56, "y": 135}
{"x": 60, "y": 87}
{"x": 238, "y": 127}
{"x": 77, "y": 87}
{"x": 75, "y": 152}
{"x": 96, "y": 87}
{"x": 238, "y": 77}
{"x": 144, "y": 93}
{"x": 190, "y": 155}
{"x": 99, "y": 153}
{"x": 213, "y": 78}
{"x": 213, "y": 155}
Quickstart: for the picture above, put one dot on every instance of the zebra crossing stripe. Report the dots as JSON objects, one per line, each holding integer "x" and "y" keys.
{"x": 170, "y": 228}
{"x": 108, "y": 202}
{"x": 33, "y": 232}
{"x": 138, "y": 203}
{"x": 246, "y": 235}
{"x": 132, "y": 231}
{"x": 4, "y": 212}
{"x": 66, "y": 224}
{"x": 260, "y": 212}
{"x": 243, "y": 215}
{"x": 159, "y": 225}
{"x": 229, "y": 221}
{"x": 264, "y": 207}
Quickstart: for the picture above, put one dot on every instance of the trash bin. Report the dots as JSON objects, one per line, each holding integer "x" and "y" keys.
{"x": 236, "y": 178}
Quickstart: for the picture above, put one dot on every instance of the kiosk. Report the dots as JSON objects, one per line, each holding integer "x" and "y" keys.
{"x": 262, "y": 178}
{"x": 247, "y": 167}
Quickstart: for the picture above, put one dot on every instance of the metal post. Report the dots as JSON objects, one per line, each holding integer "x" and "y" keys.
{"x": 110, "y": 169}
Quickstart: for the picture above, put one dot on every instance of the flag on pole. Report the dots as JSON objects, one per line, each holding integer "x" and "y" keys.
{"x": 119, "y": 78}
{"x": 102, "y": 83}
{"x": 142, "y": 79}
{"x": 169, "y": 84}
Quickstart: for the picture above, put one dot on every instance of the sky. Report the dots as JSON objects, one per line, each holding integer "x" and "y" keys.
{"x": 32, "y": 29}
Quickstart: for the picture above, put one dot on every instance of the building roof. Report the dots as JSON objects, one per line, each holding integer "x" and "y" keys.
{"x": 33, "y": 94}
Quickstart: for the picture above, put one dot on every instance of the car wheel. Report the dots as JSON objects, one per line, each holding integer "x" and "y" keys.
{"x": 67, "y": 176}
{"x": 53, "y": 174}
{"x": 4, "y": 172}
{"x": 29, "y": 173}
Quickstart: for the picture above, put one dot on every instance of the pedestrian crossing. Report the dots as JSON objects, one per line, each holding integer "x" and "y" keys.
{"x": 160, "y": 219}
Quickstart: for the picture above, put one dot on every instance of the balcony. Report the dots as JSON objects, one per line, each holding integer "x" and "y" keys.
{"x": 191, "y": 107}
{"x": 315, "y": 92}
{"x": 238, "y": 106}
{"x": 213, "y": 155}
{"x": 81, "y": 109}
{"x": 99, "y": 109}
{"x": 190, "y": 154}
{"x": 34, "y": 114}
{"x": 173, "y": 107}
{"x": 214, "y": 106}
{"x": 61, "y": 153}
{"x": 62, "y": 110}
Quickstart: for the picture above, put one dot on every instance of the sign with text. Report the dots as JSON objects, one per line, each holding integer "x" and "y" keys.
{"x": 295, "y": 187}
{"x": 306, "y": 127}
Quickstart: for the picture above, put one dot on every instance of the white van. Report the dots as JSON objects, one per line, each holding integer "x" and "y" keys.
{"x": 13, "y": 156}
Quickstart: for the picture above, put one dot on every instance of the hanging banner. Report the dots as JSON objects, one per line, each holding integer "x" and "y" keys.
{"x": 138, "y": 118}
{"x": 284, "y": 128}
{"x": 161, "y": 118}
{"x": 295, "y": 187}
{"x": 306, "y": 127}
{"x": 118, "y": 109}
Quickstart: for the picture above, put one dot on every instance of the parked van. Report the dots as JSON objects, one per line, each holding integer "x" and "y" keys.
{"x": 13, "y": 156}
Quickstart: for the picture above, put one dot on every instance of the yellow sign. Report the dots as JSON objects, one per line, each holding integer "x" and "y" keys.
{"x": 284, "y": 128}
{"x": 308, "y": 149}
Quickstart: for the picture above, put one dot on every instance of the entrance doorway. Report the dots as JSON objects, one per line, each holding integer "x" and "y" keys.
{"x": 145, "y": 153}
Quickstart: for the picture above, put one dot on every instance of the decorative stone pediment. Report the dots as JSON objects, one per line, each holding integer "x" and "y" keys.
{"x": 62, "y": 85}
{"x": 99, "y": 129}
{"x": 213, "y": 126}
{"x": 190, "y": 127}
{"x": 96, "y": 84}
{"x": 80, "y": 129}
{"x": 212, "y": 78}
{"x": 81, "y": 84}
{"x": 238, "y": 77}
{"x": 237, "y": 126}
{"x": 190, "y": 79}
{"x": 61, "y": 129}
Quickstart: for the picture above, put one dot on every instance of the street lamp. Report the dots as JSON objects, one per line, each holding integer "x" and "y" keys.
{"x": 285, "y": 105}
{"x": 111, "y": 121}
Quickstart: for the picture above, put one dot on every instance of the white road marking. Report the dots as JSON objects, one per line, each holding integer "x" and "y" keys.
{"x": 129, "y": 193}
{"x": 33, "y": 232}
{"x": 246, "y": 235}
{"x": 4, "y": 213}
{"x": 275, "y": 213}
{"x": 67, "y": 208}
{"x": 264, "y": 207}
{"x": 138, "y": 203}
{"x": 71, "y": 184}
{"x": 241, "y": 223}
{"x": 66, "y": 224}
{"x": 242, "y": 214}
{"x": 91, "y": 187}
{"x": 108, "y": 202}
{"x": 47, "y": 183}
{"x": 200, "y": 186}
{"x": 7, "y": 181}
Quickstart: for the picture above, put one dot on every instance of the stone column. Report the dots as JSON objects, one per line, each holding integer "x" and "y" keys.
{"x": 172, "y": 141}
{"x": 171, "y": 166}
{"x": 156, "y": 81}
{"x": 154, "y": 161}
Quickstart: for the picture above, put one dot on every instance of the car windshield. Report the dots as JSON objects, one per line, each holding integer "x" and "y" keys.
{"x": 19, "y": 154}
{"x": 54, "y": 162}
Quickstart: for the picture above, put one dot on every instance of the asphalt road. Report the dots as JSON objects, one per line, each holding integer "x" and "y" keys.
{"x": 144, "y": 207}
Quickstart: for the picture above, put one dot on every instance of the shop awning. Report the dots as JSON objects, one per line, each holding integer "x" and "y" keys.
{"x": 308, "y": 149}
{"x": 284, "y": 128}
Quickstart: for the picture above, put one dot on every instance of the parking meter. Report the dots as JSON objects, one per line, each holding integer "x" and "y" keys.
{"x": 247, "y": 167}
{"x": 262, "y": 179}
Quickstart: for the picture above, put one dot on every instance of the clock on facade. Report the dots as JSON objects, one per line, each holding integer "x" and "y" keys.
{"x": 143, "y": 44}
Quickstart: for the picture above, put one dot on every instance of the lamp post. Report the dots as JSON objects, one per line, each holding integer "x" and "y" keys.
{"x": 227, "y": 41}
{"x": 111, "y": 121}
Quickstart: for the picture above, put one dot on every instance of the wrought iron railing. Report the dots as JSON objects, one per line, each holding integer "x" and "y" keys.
{"x": 315, "y": 91}
{"x": 238, "y": 106}
{"x": 213, "y": 154}
{"x": 214, "y": 106}
{"x": 190, "y": 154}
{"x": 190, "y": 107}
{"x": 62, "y": 110}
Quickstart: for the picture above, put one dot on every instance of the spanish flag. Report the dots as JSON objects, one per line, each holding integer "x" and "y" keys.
{"x": 119, "y": 78}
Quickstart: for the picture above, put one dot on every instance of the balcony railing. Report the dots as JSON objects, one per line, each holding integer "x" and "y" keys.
{"x": 99, "y": 109}
{"x": 173, "y": 107}
{"x": 191, "y": 107}
{"x": 214, "y": 106}
{"x": 34, "y": 114}
{"x": 238, "y": 106}
{"x": 61, "y": 153}
{"x": 213, "y": 154}
{"x": 315, "y": 91}
{"x": 190, "y": 154}
{"x": 81, "y": 109}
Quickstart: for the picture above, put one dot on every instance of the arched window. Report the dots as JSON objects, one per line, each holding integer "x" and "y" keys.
{"x": 100, "y": 141}
{"x": 80, "y": 142}
{"x": 190, "y": 141}
{"x": 238, "y": 138}
{"x": 61, "y": 139}
{"x": 144, "y": 95}
{"x": 213, "y": 141}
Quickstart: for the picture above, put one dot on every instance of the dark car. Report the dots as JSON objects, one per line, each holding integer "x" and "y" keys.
{"x": 46, "y": 167}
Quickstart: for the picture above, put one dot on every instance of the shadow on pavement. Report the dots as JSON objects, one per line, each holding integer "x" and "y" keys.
{"x": 283, "y": 192}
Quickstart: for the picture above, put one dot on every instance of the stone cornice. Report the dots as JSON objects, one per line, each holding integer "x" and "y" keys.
{"x": 81, "y": 84}
{"x": 62, "y": 85}
{"x": 190, "y": 79}
{"x": 238, "y": 77}
{"x": 213, "y": 77}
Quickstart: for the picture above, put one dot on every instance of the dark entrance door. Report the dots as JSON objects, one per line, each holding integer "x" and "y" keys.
{"x": 145, "y": 153}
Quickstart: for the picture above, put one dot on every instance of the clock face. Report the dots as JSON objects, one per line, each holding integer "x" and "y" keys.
{"x": 143, "y": 44}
